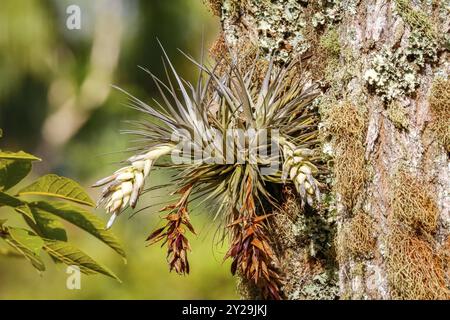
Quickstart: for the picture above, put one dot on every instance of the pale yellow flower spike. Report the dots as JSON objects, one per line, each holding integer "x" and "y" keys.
{"x": 127, "y": 183}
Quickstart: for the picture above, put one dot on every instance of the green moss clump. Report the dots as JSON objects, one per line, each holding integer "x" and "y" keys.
{"x": 418, "y": 20}
{"x": 357, "y": 238}
{"x": 397, "y": 114}
{"x": 330, "y": 42}
{"x": 347, "y": 126}
{"x": 330, "y": 48}
{"x": 323, "y": 286}
{"x": 414, "y": 269}
{"x": 412, "y": 204}
{"x": 440, "y": 109}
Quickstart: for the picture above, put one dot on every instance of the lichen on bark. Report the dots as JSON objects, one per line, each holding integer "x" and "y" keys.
{"x": 404, "y": 128}
{"x": 272, "y": 26}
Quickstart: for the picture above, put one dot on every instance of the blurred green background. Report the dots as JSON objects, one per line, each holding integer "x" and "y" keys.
{"x": 56, "y": 102}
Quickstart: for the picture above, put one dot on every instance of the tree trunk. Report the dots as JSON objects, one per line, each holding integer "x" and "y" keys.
{"x": 382, "y": 66}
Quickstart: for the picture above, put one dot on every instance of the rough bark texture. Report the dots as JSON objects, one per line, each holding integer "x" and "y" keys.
{"x": 383, "y": 68}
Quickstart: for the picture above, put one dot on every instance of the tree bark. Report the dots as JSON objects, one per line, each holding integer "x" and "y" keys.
{"x": 383, "y": 69}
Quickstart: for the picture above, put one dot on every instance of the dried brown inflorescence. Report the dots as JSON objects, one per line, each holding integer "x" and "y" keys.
{"x": 412, "y": 204}
{"x": 415, "y": 270}
{"x": 173, "y": 233}
{"x": 347, "y": 126}
{"x": 440, "y": 109}
{"x": 253, "y": 256}
{"x": 357, "y": 238}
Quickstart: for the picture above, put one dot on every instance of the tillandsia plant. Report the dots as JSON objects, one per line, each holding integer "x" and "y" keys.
{"x": 234, "y": 141}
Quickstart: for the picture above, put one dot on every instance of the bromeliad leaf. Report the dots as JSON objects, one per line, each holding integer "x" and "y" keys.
{"x": 70, "y": 255}
{"x": 7, "y": 155}
{"x": 60, "y": 187}
{"x": 12, "y": 172}
{"x": 82, "y": 219}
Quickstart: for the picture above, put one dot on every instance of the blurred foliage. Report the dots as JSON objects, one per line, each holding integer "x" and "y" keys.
{"x": 55, "y": 83}
{"x": 44, "y": 231}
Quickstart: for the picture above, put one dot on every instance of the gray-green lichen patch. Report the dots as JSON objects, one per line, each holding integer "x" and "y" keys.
{"x": 421, "y": 49}
{"x": 391, "y": 75}
{"x": 316, "y": 232}
{"x": 332, "y": 11}
{"x": 323, "y": 286}
{"x": 278, "y": 25}
{"x": 229, "y": 15}
{"x": 394, "y": 73}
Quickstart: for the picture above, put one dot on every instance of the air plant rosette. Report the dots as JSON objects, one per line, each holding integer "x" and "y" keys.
{"x": 233, "y": 141}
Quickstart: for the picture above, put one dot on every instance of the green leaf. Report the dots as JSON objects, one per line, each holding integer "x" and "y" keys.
{"x": 10, "y": 201}
{"x": 25, "y": 211}
{"x": 12, "y": 172}
{"x": 27, "y": 239}
{"x": 70, "y": 255}
{"x": 7, "y": 155}
{"x": 46, "y": 225}
{"x": 25, "y": 243}
{"x": 54, "y": 186}
{"x": 84, "y": 220}
{"x": 13, "y": 202}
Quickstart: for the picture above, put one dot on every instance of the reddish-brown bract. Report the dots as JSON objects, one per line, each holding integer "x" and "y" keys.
{"x": 173, "y": 233}
{"x": 253, "y": 256}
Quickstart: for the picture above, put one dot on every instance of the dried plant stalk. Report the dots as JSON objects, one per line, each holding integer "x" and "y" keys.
{"x": 252, "y": 254}
{"x": 173, "y": 233}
